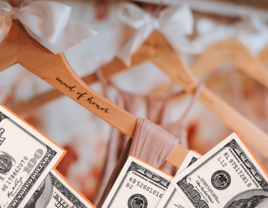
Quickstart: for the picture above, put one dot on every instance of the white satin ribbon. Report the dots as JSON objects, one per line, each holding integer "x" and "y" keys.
{"x": 210, "y": 33}
{"x": 47, "y": 22}
{"x": 174, "y": 23}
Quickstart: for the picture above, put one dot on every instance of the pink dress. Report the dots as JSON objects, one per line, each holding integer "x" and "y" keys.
{"x": 119, "y": 144}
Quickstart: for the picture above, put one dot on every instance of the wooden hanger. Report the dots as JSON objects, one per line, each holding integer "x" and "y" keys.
{"x": 156, "y": 49}
{"x": 263, "y": 56}
{"x": 46, "y": 97}
{"x": 19, "y": 47}
{"x": 231, "y": 50}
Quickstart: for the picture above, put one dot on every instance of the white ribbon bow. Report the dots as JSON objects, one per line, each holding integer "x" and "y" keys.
{"x": 174, "y": 23}
{"x": 211, "y": 33}
{"x": 47, "y": 22}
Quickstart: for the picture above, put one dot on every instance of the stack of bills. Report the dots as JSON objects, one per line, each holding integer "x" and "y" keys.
{"x": 228, "y": 176}
{"x": 27, "y": 178}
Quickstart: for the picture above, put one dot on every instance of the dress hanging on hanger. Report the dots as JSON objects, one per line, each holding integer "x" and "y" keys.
{"x": 157, "y": 112}
{"x": 152, "y": 45}
{"x": 141, "y": 147}
{"x": 155, "y": 49}
{"x": 118, "y": 140}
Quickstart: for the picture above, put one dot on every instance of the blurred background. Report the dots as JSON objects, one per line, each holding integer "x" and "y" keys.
{"x": 88, "y": 139}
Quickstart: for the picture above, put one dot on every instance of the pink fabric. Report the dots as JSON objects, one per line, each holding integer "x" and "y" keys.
{"x": 145, "y": 134}
{"x": 178, "y": 129}
{"x": 118, "y": 140}
{"x": 156, "y": 106}
{"x": 148, "y": 133}
{"x": 157, "y": 112}
{"x": 117, "y": 169}
{"x": 116, "y": 144}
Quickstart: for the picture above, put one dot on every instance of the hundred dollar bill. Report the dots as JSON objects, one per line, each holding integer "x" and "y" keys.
{"x": 138, "y": 185}
{"x": 189, "y": 160}
{"x": 171, "y": 198}
{"x": 26, "y": 157}
{"x": 56, "y": 192}
{"x": 228, "y": 176}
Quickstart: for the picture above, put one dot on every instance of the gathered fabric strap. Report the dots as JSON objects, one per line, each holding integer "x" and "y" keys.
{"x": 151, "y": 143}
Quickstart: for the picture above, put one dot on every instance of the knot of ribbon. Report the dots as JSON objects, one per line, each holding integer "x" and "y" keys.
{"x": 47, "y": 22}
{"x": 11, "y": 12}
{"x": 210, "y": 32}
{"x": 174, "y": 23}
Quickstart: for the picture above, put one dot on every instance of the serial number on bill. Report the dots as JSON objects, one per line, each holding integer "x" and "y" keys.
{"x": 133, "y": 181}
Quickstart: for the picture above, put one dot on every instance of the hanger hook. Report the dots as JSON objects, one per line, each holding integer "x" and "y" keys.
{"x": 21, "y": 3}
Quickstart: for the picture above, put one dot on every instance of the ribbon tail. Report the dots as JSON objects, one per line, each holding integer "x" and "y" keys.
{"x": 135, "y": 42}
{"x": 73, "y": 33}
{"x": 5, "y": 25}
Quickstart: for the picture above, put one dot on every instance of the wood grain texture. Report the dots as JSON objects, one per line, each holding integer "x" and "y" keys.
{"x": 155, "y": 49}
{"x": 19, "y": 47}
{"x": 43, "y": 98}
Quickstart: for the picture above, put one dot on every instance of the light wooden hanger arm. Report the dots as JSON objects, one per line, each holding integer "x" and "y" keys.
{"x": 231, "y": 50}
{"x": 55, "y": 70}
{"x": 43, "y": 98}
{"x": 159, "y": 52}
{"x": 50, "y": 95}
{"x": 8, "y": 56}
{"x": 232, "y": 118}
{"x": 263, "y": 56}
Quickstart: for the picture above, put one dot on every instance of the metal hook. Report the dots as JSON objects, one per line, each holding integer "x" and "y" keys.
{"x": 21, "y": 3}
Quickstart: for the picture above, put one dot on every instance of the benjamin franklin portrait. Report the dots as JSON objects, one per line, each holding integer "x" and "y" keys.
{"x": 42, "y": 195}
{"x": 250, "y": 199}
{"x": 259, "y": 201}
